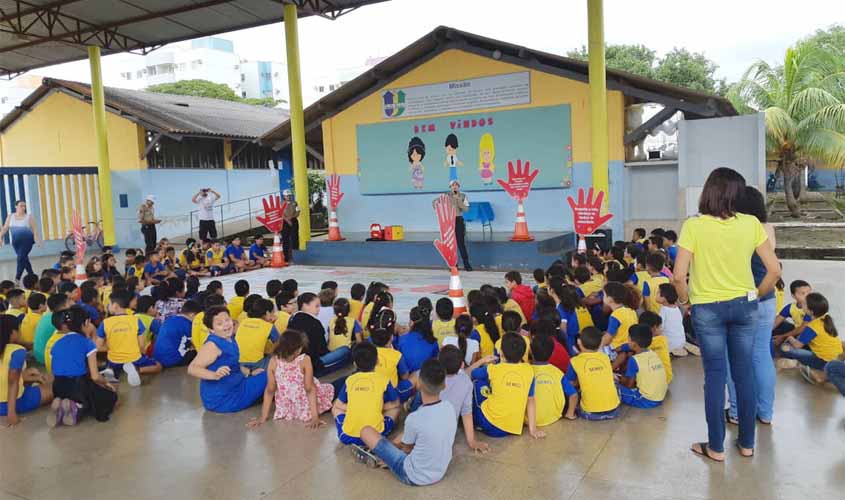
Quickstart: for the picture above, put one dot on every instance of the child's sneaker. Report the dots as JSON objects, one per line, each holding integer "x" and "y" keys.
{"x": 679, "y": 353}
{"x": 132, "y": 375}
{"x": 786, "y": 364}
{"x": 71, "y": 412}
{"x": 692, "y": 349}
{"x": 108, "y": 374}
{"x": 56, "y": 414}
{"x": 366, "y": 456}
{"x": 805, "y": 372}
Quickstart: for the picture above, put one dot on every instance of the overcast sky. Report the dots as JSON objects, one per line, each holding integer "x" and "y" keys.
{"x": 733, "y": 33}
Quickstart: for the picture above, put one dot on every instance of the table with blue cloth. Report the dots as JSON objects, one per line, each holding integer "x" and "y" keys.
{"x": 481, "y": 211}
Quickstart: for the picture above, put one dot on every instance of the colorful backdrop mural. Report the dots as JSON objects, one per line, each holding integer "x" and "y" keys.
{"x": 424, "y": 154}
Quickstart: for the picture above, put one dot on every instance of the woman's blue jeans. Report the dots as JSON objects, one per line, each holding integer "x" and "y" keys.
{"x": 725, "y": 330}
{"x": 22, "y": 242}
{"x": 765, "y": 374}
{"x": 835, "y": 371}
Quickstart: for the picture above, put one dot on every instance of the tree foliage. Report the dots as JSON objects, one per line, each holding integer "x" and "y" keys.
{"x": 205, "y": 88}
{"x": 830, "y": 40}
{"x": 680, "y": 67}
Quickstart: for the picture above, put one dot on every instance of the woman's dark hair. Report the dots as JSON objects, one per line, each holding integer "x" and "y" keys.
{"x": 73, "y": 318}
{"x": 463, "y": 328}
{"x": 305, "y": 298}
{"x": 625, "y": 295}
{"x": 751, "y": 202}
{"x": 8, "y": 324}
{"x": 210, "y": 313}
{"x": 482, "y": 314}
{"x": 382, "y": 300}
{"x": 416, "y": 144}
{"x": 818, "y": 305}
{"x": 422, "y": 323}
{"x": 723, "y": 188}
{"x": 341, "y": 311}
{"x": 290, "y": 342}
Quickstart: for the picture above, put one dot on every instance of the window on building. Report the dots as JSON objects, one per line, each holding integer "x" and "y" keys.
{"x": 183, "y": 66}
{"x": 195, "y": 64}
{"x": 151, "y": 70}
{"x": 243, "y": 77}
{"x": 4, "y": 100}
{"x": 190, "y": 152}
{"x": 321, "y": 88}
{"x": 252, "y": 157}
{"x": 243, "y": 94}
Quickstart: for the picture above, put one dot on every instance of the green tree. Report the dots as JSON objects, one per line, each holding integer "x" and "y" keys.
{"x": 831, "y": 40}
{"x": 205, "y": 88}
{"x": 680, "y": 67}
{"x": 804, "y": 103}
{"x": 692, "y": 70}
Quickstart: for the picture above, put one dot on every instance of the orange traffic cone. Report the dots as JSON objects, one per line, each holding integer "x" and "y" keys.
{"x": 334, "y": 227}
{"x": 81, "y": 277}
{"x": 456, "y": 293}
{"x": 520, "y": 229}
{"x": 582, "y": 245}
{"x": 278, "y": 258}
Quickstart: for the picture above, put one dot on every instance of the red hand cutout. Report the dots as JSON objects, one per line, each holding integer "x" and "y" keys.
{"x": 78, "y": 236}
{"x": 587, "y": 213}
{"x": 519, "y": 180}
{"x": 333, "y": 184}
{"x": 273, "y": 210}
{"x": 447, "y": 245}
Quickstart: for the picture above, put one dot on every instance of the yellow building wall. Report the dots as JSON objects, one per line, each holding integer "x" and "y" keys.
{"x": 339, "y": 142}
{"x": 59, "y": 132}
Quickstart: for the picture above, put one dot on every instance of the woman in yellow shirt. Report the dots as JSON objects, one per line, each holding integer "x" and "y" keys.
{"x": 714, "y": 251}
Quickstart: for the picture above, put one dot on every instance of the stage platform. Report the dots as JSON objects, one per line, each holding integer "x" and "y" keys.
{"x": 494, "y": 253}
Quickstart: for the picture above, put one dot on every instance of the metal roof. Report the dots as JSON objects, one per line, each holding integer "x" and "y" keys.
{"x": 172, "y": 115}
{"x": 38, "y": 33}
{"x": 694, "y": 104}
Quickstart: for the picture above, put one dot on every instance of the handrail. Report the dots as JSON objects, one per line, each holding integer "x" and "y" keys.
{"x": 223, "y": 219}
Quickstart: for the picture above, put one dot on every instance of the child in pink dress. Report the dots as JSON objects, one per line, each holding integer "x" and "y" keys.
{"x": 291, "y": 384}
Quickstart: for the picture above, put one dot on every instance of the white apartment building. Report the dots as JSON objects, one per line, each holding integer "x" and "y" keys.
{"x": 12, "y": 92}
{"x": 264, "y": 79}
{"x": 329, "y": 82}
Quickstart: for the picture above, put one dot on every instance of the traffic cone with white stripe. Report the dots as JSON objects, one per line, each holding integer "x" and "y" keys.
{"x": 582, "y": 245}
{"x": 81, "y": 276}
{"x": 334, "y": 227}
{"x": 278, "y": 257}
{"x": 456, "y": 293}
{"x": 520, "y": 229}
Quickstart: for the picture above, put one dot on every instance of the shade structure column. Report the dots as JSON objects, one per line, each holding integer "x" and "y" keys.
{"x": 98, "y": 104}
{"x": 598, "y": 99}
{"x": 297, "y": 124}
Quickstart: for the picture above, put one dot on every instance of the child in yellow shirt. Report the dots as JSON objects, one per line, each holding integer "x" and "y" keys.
{"x": 37, "y": 307}
{"x": 17, "y": 303}
{"x": 236, "y": 305}
{"x": 596, "y": 397}
{"x": 444, "y": 323}
{"x": 356, "y": 300}
{"x": 623, "y": 301}
{"x": 644, "y": 383}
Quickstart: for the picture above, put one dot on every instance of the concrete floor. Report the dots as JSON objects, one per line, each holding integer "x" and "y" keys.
{"x": 161, "y": 443}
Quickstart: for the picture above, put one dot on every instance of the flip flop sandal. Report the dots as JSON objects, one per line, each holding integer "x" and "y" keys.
{"x": 704, "y": 452}
{"x": 729, "y": 419}
{"x": 740, "y": 448}
{"x": 764, "y": 422}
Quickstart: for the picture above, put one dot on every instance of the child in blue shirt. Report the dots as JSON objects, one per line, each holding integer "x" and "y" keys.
{"x": 419, "y": 344}
{"x": 236, "y": 257}
{"x": 173, "y": 344}
{"x": 258, "y": 252}
{"x": 154, "y": 270}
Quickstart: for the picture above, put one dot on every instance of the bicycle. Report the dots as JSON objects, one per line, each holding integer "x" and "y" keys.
{"x": 93, "y": 236}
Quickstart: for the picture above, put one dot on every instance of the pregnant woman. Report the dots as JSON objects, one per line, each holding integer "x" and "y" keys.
{"x": 21, "y": 227}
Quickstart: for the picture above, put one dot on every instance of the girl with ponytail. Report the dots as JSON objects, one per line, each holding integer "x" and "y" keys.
{"x": 419, "y": 344}
{"x": 819, "y": 335}
{"x": 382, "y": 300}
{"x": 486, "y": 330}
{"x": 470, "y": 349}
{"x": 344, "y": 331}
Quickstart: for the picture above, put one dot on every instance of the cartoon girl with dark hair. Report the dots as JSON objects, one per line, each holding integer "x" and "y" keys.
{"x": 416, "y": 153}
{"x": 452, "y": 160}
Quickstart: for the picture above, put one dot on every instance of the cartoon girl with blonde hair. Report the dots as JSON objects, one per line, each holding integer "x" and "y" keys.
{"x": 486, "y": 155}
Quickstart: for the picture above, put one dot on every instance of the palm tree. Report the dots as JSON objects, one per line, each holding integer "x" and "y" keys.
{"x": 804, "y": 104}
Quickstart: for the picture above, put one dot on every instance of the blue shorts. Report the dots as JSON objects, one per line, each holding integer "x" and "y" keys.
{"x": 479, "y": 396}
{"x": 261, "y": 363}
{"x": 599, "y": 415}
{"x": 394, "y": 458}
{"x": 405, "y": 388}
{"x": 141, "y": 362}
{"x": 632, "y": 397}
{"x": 29, "y": 400}
{"x": 347, "y": 439}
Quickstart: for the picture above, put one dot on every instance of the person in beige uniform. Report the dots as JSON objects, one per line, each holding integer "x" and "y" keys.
{"x": 290, "y": 226}
{"x": 461, "y": 203}
{"x": 148, "y": 221}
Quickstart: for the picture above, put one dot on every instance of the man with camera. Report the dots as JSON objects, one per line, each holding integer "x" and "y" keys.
{"x": 205, "y": 198}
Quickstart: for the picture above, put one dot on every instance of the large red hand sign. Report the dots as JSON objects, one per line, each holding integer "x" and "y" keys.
{"x": 447, "y": 245}
{"x": 519, "y": 180}
{"x": 587, "y": 213}
{"x": 78, "y": 236}
{"x": 333, "y": 184}
{"x": 273, "y": 210}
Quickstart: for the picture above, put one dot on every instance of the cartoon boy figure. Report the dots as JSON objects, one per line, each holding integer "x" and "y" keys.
{"x": 452, "y": 160}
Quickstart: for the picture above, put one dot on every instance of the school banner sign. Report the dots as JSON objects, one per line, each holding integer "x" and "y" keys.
{"x": 423, "y": 155}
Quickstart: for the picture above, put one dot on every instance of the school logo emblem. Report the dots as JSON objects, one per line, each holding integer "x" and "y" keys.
{"x": 393, "y": 103}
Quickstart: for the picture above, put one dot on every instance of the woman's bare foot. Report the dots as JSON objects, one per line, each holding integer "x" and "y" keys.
{"x": 703, "y": 450}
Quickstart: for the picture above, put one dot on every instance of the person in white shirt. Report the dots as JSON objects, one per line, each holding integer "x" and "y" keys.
{"x": 205, "y": 198}
{"x": 673, "y": 322}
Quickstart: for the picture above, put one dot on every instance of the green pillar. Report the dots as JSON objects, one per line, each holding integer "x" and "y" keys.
{"x": 598, "y": 99}
{"x": 297, "y": 124}
{"x": 98, "y": 104}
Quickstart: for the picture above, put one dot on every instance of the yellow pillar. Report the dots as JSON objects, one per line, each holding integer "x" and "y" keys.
{"x": 98, "y": 104}
{"x": 297, "y": 125}
{"x": 598, "y": 99}
{"x": 227, "y": 155}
